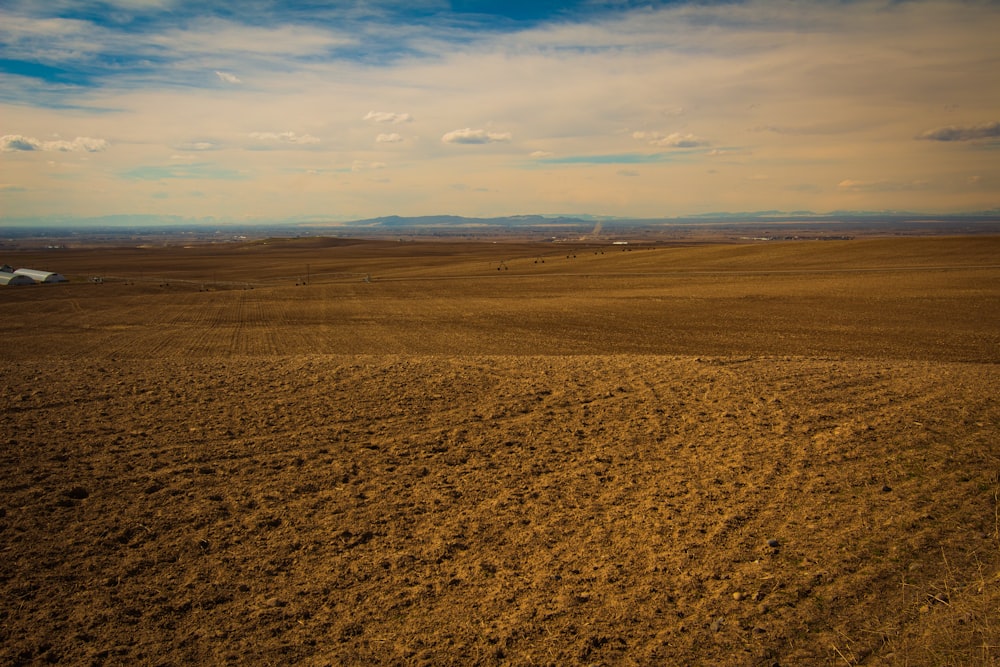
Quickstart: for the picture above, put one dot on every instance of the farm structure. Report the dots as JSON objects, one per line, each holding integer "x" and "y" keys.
{"x": 8, "y": 278}
{"x": 41, "y": 276}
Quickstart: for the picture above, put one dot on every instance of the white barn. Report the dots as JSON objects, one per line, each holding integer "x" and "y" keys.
{"x": 41, "y": 276}
{"x": 8, "y": 278}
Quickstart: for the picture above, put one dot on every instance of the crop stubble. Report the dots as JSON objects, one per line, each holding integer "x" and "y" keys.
{"x": 527, "y": 468}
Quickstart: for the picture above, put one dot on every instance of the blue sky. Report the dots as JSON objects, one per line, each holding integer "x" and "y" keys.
{"x": 261, "y": 110}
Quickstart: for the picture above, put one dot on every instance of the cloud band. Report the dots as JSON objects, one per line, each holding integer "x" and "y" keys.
{"x": 18, "y": 142}
{"x": 469, "y": 136}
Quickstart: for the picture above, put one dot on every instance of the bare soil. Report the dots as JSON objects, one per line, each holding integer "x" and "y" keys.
{"x": 329, "y": 452}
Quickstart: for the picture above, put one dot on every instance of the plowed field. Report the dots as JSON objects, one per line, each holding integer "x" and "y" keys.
{"x": 332, "y": 452}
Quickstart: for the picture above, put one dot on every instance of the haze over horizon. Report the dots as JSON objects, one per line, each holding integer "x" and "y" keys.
{"x": 245, "y": 111}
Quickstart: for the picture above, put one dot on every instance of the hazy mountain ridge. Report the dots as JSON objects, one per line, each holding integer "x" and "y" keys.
{"x": 768, "y": 224}
{"x": 147, "y": 220}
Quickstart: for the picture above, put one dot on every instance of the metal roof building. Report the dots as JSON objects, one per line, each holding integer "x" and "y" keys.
{"x": 41, "y": 276}
{"x": 7, "y": 278}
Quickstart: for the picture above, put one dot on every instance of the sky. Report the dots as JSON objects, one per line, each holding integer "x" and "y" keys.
{"x": 277, "y": 110}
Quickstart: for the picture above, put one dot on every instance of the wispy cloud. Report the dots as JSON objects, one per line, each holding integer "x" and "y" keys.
{"x": 672, "y": 140}
{"x": 285, "y": 138}
{"x": 362, "y": 165}
{"x": 851, "y": 185}
{"x": 18, "y": 142}
{"x": 224, "y": 37}
{"x": 389, "y": 138}
{"x": 470, "y": 136}
{"x": 806, "y": 130}
{"x": 964, "y": 132}
{"x": 617, "y": 158}
{"x": 227, "y": 77}
{"x": 197, "y": 171}
{"x": 388, "y": 117}
{"x": 198, "y": 146}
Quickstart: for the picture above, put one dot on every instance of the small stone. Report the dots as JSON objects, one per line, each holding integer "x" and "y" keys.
{"x": 886, "y": 488}
{"x": 773, "y": 543}
{"x": 738, "y": 596}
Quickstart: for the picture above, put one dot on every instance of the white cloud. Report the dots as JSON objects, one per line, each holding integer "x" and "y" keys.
{"x": 226, "y": 77}
{"x": 672, "y": 140}
{"x": 391, "y": 138}
{"x": 469, "y": 136}
{"x": 17, "y": 142}
{"x": 80, "y": 144}
{"x": 541, "y": 154}
{"x": 388, "y": 117}
{"x": 285, "y": 137}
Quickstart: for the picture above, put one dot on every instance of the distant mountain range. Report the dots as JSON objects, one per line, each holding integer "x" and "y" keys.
{"x": 425, "y": 221}
{"x": 514, "y": 221}
{"x": 557, "y": 226}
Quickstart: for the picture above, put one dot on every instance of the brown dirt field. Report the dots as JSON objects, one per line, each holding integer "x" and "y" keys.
{"x": 503, "y": 454}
